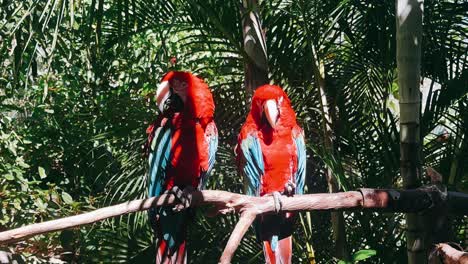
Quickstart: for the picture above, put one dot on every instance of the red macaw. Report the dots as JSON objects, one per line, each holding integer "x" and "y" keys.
{"x": 182, "y": 145}
{"x": 271, "y": 156}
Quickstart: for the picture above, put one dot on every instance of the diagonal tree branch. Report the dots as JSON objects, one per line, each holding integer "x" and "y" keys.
{"x": 237, "y": 234}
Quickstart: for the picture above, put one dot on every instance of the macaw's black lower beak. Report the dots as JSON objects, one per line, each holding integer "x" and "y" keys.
{"x": 173, "y": 104}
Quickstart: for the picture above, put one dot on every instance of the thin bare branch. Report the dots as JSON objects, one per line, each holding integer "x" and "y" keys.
{"x": 22, "y": 233}
{"x": 237, "y": 234}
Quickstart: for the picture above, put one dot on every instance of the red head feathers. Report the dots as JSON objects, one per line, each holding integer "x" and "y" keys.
{"x": 271, "y": 108}
{"x": 185, "y": 93}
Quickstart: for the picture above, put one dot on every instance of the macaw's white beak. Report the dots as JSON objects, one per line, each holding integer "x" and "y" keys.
{"x": 162, "y": 93}
{"x": 270, "y": 108}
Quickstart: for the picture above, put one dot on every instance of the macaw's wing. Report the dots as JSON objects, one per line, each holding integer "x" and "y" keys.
{"x": 300, "y": 174}
{"x": 171, "y": 237}
{"x": 159, "y": 152}
{"x": 251, "y": 164}
{"x": 211, "y": 138}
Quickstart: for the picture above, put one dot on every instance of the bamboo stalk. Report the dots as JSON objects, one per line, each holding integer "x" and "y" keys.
{"x": 337, "y": 218}
{"x": 409, "y": 15}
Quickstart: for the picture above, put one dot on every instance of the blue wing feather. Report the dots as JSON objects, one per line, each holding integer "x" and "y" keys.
{"x": 252, "y": 165}
{"x": 169, "y": 222}
{"x": 299, "y": 177}
{"x": 212, "y": 148}
{"x": 160, "y": 150}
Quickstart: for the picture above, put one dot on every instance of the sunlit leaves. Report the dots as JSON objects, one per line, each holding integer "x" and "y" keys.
{"x": 73, "y": 114}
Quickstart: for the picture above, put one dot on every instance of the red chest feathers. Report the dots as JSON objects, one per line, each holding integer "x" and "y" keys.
{"x": 189, "y": 155}
{"x": 280, "y": 161}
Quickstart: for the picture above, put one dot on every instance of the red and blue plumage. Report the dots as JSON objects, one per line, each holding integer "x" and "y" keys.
{"x": 271, "y": 157}
{"x": 182, "y": 146}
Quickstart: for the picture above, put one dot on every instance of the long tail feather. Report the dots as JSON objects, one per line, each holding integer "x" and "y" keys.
{"x": 164, "y": 256}
{"x": 278, "y": 252}
{"x": 170, "y": 228}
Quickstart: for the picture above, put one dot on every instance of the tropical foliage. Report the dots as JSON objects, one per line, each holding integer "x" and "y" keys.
{"x": 74, "y": 81}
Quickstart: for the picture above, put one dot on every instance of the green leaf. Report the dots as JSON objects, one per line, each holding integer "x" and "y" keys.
{"x": 364, "y": 254}
{"x": 21, "y": 163}
{"x": 67, "y": 198}
{"x": 40, "y": 204}
{"x": 17, "y": 203}
{"x": 9, "y": 177}
{"x": 42, "y": 173}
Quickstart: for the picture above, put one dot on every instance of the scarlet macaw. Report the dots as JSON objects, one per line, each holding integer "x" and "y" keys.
{"x": 182, "y": 145}
{"x": 271, "y": 157}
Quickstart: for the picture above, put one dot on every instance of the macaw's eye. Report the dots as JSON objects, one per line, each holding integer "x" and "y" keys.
{"x": 259, "y": 104}
{"x": 180, "y": 87}
{"x": 280, "y": 101}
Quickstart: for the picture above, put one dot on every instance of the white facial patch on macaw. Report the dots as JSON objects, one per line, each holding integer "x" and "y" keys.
{"x": 162, "y": 93}
{"x": 180, "y": 88}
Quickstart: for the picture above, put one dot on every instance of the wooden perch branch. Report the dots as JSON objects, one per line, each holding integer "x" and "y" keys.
{"x": 249, "y": 207}
{"x": 22, "y": 233}
{"x": 449, "y": 255}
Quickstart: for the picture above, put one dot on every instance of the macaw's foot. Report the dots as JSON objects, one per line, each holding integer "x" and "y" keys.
{"x": 289, "y": 188}
{"x": 184, "y": 197}
{"x": 277, "y": 201}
